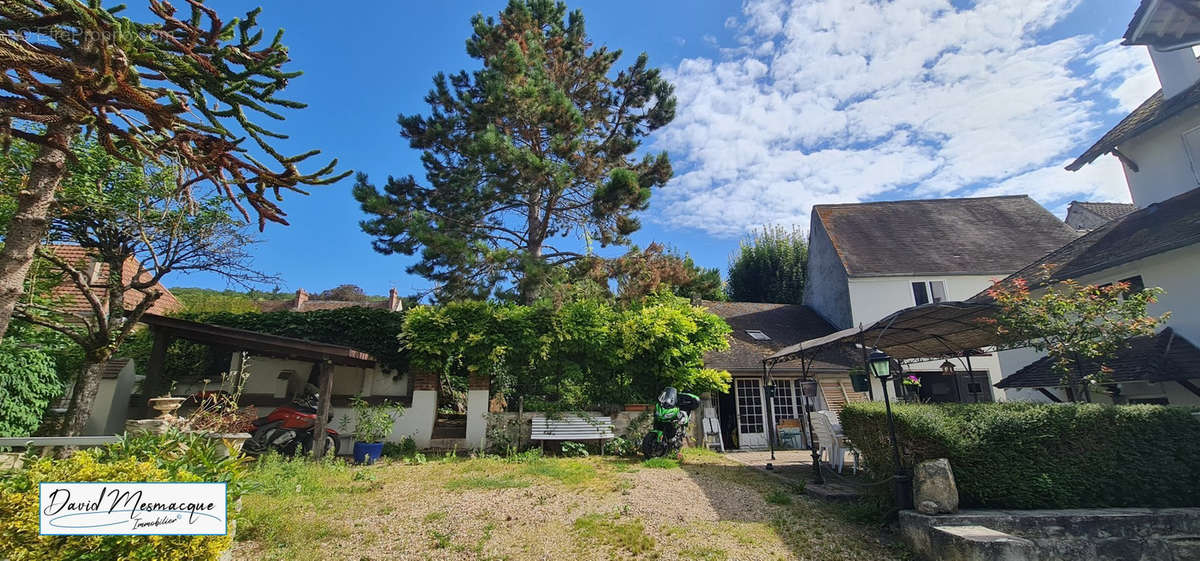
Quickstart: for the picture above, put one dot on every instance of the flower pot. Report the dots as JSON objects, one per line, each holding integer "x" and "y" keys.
{"x": 367, "y": 452}
{"x": 636, "y": 407}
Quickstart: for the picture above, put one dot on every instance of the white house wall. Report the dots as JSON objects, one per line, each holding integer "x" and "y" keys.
{"x": 1164, "y": 168}
{"x": 873, "y": 298}
{"x": 1176, "y": 272}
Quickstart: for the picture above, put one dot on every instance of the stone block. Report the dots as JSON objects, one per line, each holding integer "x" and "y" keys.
{"x": 979, "y": 543}
{"x": 934, "y": 489}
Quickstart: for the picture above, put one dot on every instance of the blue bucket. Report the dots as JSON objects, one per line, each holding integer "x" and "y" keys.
{"x": 367, "y": 453}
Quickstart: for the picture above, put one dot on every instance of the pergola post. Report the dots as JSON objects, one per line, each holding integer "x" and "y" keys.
{"x": 325, "y": 383}
{"x": 153, "y": 383}
{"x": 812, "y": 435}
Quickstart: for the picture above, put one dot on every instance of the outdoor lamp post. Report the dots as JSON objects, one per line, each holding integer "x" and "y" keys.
{"x": 881, "y": 367}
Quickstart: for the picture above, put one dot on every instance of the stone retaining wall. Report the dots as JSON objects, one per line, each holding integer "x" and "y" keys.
{"x": 1111, "y": 534}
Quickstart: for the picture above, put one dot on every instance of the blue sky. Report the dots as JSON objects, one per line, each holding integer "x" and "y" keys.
{"x": 781, "y": 107}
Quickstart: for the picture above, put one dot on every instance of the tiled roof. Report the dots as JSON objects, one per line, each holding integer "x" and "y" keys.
{"x": 986, "y": 235}
{"x": 1111, "y": 211}
{"x": 1158, "y": 228}
{"x": 310, "y": 305}
{"x": 1156, "y": 358}
{"x": 785, "y": 324}
{"x": 68, "y": 298}
{"x": 1150, "y": 113}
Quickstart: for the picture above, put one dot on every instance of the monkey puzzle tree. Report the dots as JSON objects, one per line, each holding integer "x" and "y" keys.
{"x": 178, "y": 88}
{"x": 537, "y": 144}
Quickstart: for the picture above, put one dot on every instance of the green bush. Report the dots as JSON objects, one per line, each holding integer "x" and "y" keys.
{"x": 28, "y": 383}
{"x": 574, "y": 449}
{"x": 1027, "y": 455}
{"x": 171, "y": 457}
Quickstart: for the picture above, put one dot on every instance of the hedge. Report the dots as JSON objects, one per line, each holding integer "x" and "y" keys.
{"x": 28, "y": 383}
{"x": 1027, "y": 455}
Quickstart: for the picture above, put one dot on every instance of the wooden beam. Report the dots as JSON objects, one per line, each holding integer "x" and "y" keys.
{"x": 1050, "y": 395}
{"x": 1189, "y": 386}
{"x": 155, "y": 378}
{"x": 325, "y": 383}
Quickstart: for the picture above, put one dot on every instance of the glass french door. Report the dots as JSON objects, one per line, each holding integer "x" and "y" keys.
{"x": 752, "y": 431}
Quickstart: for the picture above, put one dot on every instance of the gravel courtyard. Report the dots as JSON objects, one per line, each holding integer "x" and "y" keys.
{"x": 708, "y": 508}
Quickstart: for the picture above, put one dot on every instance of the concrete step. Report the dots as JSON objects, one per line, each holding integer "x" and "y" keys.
{"x": 979, "y": 543}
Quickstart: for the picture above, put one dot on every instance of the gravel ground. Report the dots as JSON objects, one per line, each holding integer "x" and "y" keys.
{"x": 587, "y": 509}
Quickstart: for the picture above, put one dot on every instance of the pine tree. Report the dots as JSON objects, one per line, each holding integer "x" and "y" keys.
{"x": 538, "y": 144}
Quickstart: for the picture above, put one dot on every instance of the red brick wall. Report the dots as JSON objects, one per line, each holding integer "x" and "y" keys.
{"x": 426, "y": 381}
{"x": 478, "y": 382}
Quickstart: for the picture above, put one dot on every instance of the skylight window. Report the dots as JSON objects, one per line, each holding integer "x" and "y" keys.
{"x": 757, "y": 335}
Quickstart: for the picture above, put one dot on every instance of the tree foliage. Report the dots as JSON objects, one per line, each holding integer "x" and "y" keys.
{"x": 581, "y": 354}
{"x": 132, "y": 219}
{"x": 770, "y": 266}
{"x": 1073, "y": 323}
{"x": 185, "y": 88}
{"x": 28, "y": 383}
{"x": 343, "y": 293}
{"x": 642, "y": 273}
{"x": 372, "y": 330}
{"x": 537, "y": 144}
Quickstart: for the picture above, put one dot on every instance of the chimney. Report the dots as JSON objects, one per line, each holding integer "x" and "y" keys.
{"x": 394, "y": 303}
{"x": 301, "y": 298}
{"x": 1177, "y": 70}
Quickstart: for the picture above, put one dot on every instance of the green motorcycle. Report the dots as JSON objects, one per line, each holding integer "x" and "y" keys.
{"x": 672, "y": 414}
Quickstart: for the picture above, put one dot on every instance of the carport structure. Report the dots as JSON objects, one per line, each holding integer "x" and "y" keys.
{"x": 325, "y": 356}
{"x": 939, "y": 330}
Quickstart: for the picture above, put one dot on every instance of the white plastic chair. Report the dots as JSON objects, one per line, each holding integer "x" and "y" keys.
{"x": 826, "y": 442}
{"x": 839, "y": 444}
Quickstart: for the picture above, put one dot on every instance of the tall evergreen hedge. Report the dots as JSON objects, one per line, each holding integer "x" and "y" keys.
{"x": 1026, "y": 455}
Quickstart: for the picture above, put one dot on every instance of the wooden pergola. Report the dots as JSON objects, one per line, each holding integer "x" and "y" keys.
{"x": 324, "y": 355}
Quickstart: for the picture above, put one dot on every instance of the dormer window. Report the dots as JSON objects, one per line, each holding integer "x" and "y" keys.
{"x": 757, "y": 335}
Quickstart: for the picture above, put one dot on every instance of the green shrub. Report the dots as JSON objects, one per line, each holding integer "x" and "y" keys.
{"x": 1027, "y": 455}
{"x": 621, "y": 447}
{"x": 19, "y": 537}
{"x": 404, "y": 449}
{"x": 28, "y": 383}
{"x": 574, "y": 449}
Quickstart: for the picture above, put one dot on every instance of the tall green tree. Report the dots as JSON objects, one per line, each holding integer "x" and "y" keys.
{"x": 770, "y": 266}
{"x": 535, "y": 146}
{"x": 185, "y": 86}
{"x": 132, "y": 219}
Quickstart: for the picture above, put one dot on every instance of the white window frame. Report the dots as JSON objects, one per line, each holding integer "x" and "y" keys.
{"x": 929, "y": 290}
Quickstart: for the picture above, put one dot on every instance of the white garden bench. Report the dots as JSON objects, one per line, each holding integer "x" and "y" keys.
{"x": 572, "y": 427}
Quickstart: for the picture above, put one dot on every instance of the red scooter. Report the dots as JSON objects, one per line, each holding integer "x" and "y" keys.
{"x": 289, "y": 428}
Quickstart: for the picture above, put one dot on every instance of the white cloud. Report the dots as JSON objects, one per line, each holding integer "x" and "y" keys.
{"x": 842, "y": 101}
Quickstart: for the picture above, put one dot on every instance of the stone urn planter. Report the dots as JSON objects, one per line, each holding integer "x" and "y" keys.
{"x": 166, "y": 405}
{"x": 228, "y": 443}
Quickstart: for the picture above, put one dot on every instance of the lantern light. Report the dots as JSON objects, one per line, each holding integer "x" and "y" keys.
{"x": 948, "y": 368}
{"x": 881, "y": 364}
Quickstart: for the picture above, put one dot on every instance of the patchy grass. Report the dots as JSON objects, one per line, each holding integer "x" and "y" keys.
{"x": 628, "y": 536}
{"x": 661, "y": 463}
{"x": 778, "y": 497}
{"x": 486, "y": 482}
{"x": 526, "y": 507}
